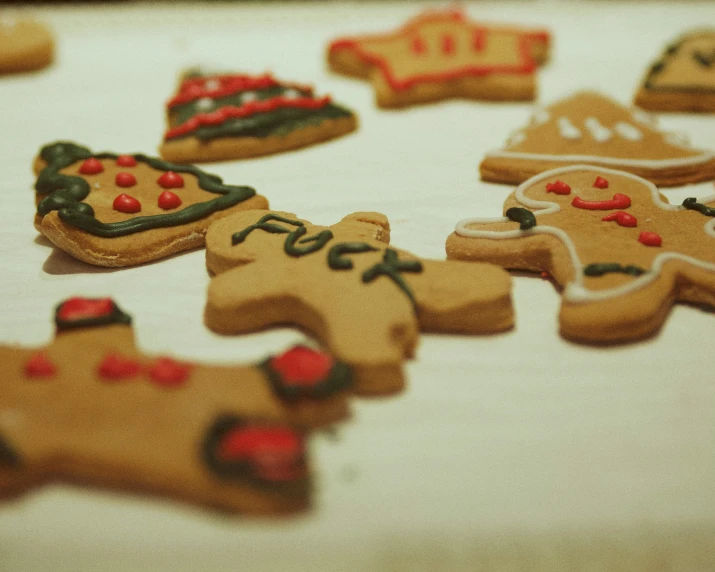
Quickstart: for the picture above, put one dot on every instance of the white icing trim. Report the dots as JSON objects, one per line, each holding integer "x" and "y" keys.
{"x": 704, "y": 157}
{"x": 599, "y": 132}
{"x": 575, "y": 291}
{"x": 568, "y": 130}
{"x": 628, "y": 131}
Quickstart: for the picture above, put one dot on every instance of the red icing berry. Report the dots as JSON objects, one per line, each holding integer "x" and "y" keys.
{"x": 39, "y": 365}
{"x": 619, "y": 201}
{"x": 558, "y": 187}
{"x": 170, "y": 180}
{"x": 125, "y": 180}
{"x": 622, "y": 218}
{"x": 168, "y": 200}
{"x": 600, "y": 183}
{"x": 91, "y": 166}
{"x": 650, "y": 239}
{"x": 76, "y": 309}
{"x": 115, "y": 367}
{"x": 448, "y": 44}
{"x": 126, "y": 161}
{"x": 126, "y": 204}
{"x": 418, "y": 45}
{"x": 302, "y": 366}
{"x": 168, "y": 372}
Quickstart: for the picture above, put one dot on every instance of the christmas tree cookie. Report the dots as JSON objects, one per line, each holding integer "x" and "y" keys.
{"x": 589, "y": 128}
{"x": 120, "y": 210}
{"x": 231, "y": 116}
{"x": 440, "y": 55}
{"x": 366, "y": 301}
{"x": 621, "y": 252}
{"x": 91, "y": 408}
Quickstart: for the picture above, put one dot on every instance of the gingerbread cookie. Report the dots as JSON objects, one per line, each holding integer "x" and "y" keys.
{"x": 90, "y": 408}
{"x": 366, "y": 301}
{"x": 121, "y": 210}
{"x": 589, "y": 128}
{"x": 621, "y": 252}
{"x": 24, "y": 45}
{"x": 441, "y": 55}
{"x": 218, "y": 117}
{"x": 683, "y": 79}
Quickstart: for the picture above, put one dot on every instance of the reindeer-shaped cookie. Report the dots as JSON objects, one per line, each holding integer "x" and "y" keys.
{"x": 365, "y": 300}
{"x": 91, "y": 408}
{"x": 622, "y": 253}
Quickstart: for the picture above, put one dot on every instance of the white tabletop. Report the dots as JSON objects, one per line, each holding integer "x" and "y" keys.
{"x": 514, "y": 452}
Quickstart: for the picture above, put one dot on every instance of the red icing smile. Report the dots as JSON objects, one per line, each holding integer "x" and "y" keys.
{"x": 619, "y": 201}
{"x": 76, "y": 309}
{"x": 302, "y": 366}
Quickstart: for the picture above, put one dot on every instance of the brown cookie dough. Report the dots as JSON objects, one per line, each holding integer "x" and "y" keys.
{"x": 24, "y": 45}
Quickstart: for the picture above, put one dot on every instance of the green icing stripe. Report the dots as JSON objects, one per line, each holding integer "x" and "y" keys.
{"x": 65, "y": 193}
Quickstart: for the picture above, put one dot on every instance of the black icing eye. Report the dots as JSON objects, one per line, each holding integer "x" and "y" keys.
{"x": 8, "y": 456}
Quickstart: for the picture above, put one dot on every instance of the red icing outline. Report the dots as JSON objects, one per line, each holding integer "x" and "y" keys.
{"x": 40, "y": 365}
{"x": 622, "y": 218}
{"x": 249, "y": 108}
{"x": 126, "y": 204}
{"x": 527, "y": 66}
{"x": 650, "y": 239}
{"x": 194, "y": 88}
{"x": 619, "y": 201}
{"x": 558, "y": 187}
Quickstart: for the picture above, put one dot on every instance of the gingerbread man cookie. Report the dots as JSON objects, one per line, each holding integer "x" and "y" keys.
{"x": 440, "y": 55}
{"x": 216, "y": 117}
{"x": 683, "y": 79}
{"x": 121, "y": 210}
{"x": 589, "y": 128}
{"x": 91, "y": 408}
{"x": 366, "y": 301}
{"x": 622, "y": 253}
{"x": 24, "y": 45}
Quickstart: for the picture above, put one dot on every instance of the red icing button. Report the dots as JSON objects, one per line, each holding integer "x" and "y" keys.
{"x": 114, "y": 367}
{"x": 418, "y": 46}
{"x": 618, "y": 201}
{"x": 600, "y": 183}
{"x": 126, "y": 161}
{"x": 650, "y": 239}
{"x": 126, "y": 204}
{"x": 125, "y": 180}
{"x": 171, "y": 180}
{"x": 76, "y": 309}
{"x": 168, "y": 372}
{"x": 622, "y": 218}
{"x": 168, "y": 200}
{"x": 448, "y": 44}
{"x": 558, "y": 187}
{"x": 39, "y": 365}
{"x": 302, "y": 366}
{"x": 91, "y": 166}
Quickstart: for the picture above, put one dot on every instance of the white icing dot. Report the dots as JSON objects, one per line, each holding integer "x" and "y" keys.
{"x": 678, "y": 139}
{"x": 643, "y": 117}
{"x": 540, "y": 117}
{"x": 97, "y": 186}
{"x": 248, "y": 96}
{"x": 628, "y": 131}
{"x": 291, "y": 93}
{"x": 516, "y": 138}
{"x": 205, "y": 103}
{"x": 597, "y": 131}
{"x": 568, "y": 130}
{"x": 212, "y": 84}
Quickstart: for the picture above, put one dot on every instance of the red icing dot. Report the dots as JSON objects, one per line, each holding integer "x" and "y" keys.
{"x": 115, "y": 367}
{"x": 448, "y": 44}
{"x": 650, "y": 239}
{"x": 126, "y": 161}
{"x": 39, "y": 365}
{"x": 600, "y": 183}
{"x": 558, "y": 187}
{"x": 302, "y": 366}
{"x": 91, "y": 166}
{"x": 168, "y": 200}
{"x": 418, "y": 45}
{"x": 622, "y": 218}
{"x": 126, "y": 204}
{"x": 76, "y": 309}
{"x": 171, "y": 180}
{"x": 168, "y": 372}
{"x": 125, "y": 180}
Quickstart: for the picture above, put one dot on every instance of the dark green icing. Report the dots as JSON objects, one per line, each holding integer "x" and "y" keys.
{"x": 391, "y": 266}
{"x": 705, "y": 60}
{"x": 336, "y": 253}
{"x": 524, "y": 217}
{"x": 313, "y": 243}
{"x": 65, "y": 193}
{"x": 692, "y": 204}
{"x": 599, "y": 269}
{"x": 263, "y": 224}
{"x": 9, "y": 458}
{"x": 116, "y": 316}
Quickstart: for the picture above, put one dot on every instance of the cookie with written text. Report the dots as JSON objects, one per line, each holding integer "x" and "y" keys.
{"x": 441, "y": 54}
{"x": 683, "y": 79}
{"x": 215, "y": 117}
{"x": 590, "y": 128}
{"x": 120, "y": 210}
{"x": 622, "y": 254}
{"x": 25, "y": 45}
{"x": 364, "y": 300}
{"x": 91, "y": 408}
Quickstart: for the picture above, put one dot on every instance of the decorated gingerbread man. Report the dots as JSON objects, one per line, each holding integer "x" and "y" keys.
{"x": 365, "y": 300}
{"x": 622, "y": 253}
{"x": 91, "y": 408}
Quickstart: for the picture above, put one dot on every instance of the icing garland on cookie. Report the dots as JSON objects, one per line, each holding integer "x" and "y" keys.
{"x": 65, "y": 193}
{"x": 575, "y": 291}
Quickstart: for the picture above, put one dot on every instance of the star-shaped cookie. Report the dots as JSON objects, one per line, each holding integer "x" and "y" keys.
{"x": 441, "y": 54}
{"x": 622, "y": 253}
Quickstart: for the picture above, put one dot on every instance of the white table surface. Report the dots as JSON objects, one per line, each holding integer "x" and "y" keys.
{"x": 514, "y": 452}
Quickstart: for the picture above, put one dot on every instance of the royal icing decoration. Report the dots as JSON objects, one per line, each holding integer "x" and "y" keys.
{"x": 168, "y": 200}
{"x": 622, "y": 218}
{"x": 39, "y": 365}
{"x": 125, "y": 180}
{"x": 568, "y": 130}
{"x": 597, "y": 131}
{"x": 91, "y": 166}
{"x": 650, "y": 239}
{"x": 126, "y": 204}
